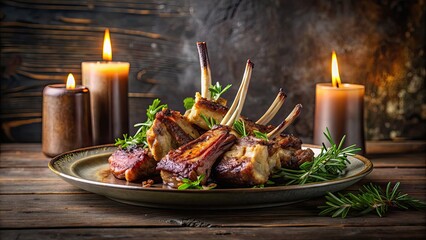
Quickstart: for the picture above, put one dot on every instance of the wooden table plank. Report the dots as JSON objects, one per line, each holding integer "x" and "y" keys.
{"x": 89, "y": 210}
{"x": 31, "y": 196}
{"x": 336, "y": 232}
{"x": 22, "y": 155}
{"x": 32, "y": 147}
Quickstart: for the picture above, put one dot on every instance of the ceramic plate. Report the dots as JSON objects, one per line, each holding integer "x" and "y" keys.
{"x": 88, "y": 169}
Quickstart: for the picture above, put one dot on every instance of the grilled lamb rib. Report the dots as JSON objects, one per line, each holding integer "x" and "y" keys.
{"x": 133, "y": 164}
{"x": 195, "y": 158}
{"x": 245, "y": 164}
{"x": 290, "y": 152}
{"x": 207, "y": 108}
{"x": 169, "y": 131}
{"x": 252, "y": 160}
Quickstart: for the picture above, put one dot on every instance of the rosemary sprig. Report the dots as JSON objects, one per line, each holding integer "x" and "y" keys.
{"x": 329, "y": 164}
{"x": 188, "y": 103}
{"x": 240, "y": 128}
{"x": 269, "y": 182}
{"x": 140, "y": 135}
{"x": 216, "y": 90}
{"x": 209, "y": 120}
{"x": 371, "y": 198}
{"x": 260, "y": 135}
{"x": 188, "y": 184}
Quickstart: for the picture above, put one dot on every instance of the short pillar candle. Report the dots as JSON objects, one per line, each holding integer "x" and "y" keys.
{"x": 66, "y": 119}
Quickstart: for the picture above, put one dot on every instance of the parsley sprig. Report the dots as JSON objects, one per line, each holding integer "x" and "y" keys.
{"x": 188, "y": 103}
{"x": 371, "y": 198}
{"x": 216, "y": 90}
{"x": 329, "y": 164}
{"x": 140, "y": 135}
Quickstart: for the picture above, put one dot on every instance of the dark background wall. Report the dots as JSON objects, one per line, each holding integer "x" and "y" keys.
{"x": 379, "y": 43}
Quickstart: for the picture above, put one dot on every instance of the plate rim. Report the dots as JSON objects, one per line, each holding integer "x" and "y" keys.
{"x": 367, "y": 164}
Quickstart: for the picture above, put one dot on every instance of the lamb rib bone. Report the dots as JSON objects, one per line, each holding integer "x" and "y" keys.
{"x": 237, "y": 106}
{"x": 284, "y": 124}
{"x": 273, "y": 109}
{"x": 206, "y": 78}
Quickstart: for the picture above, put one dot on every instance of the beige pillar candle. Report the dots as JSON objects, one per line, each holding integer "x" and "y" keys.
{"x": 108, "y": 85}
{"x": 340, "y": 108}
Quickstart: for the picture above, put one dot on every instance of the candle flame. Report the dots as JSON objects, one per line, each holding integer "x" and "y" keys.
{"x": 70, "y": 82}
{"x": 335, "y": 77}
{"x": 107, "y": 53}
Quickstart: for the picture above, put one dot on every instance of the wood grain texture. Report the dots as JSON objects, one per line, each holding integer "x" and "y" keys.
{"x": 89, "y": 210}
{"x": 412, "y": 232}
{"x": 41, "y": 48}
{"x": 339, "y": 232}
{"x": 31, "y": 196}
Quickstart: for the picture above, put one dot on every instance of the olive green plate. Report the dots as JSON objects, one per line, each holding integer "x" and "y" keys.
{"x": 88, "y": 169}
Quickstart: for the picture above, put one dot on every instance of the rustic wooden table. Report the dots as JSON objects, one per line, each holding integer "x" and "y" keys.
{"x": 36, "y": 204}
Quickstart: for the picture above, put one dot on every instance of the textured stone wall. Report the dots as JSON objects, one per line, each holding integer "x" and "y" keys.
{"x": 380, "y": 44}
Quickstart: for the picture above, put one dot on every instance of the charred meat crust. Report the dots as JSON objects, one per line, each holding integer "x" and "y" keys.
{"x": 169, "y": 131}
{"x": 298, "y": 158}
{"x": 291, "y": 153}
{"x": 169, "y": 119}
{"x": 289, "y": 141}
{"x": 209, "y": 109}
{"x": 159, "y": 140}
{"x": 132, "y": 164}
{"x": 251, "y": 141}
{"x": 198, "y": 156}
{"x": 251, "y": 126}
{"x": 203, "y": 103}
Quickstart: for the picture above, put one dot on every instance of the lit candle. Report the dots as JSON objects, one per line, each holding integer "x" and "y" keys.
{"x": 108, "y": 84}
{"x": 66, "y": 118}
{"x": 340, "y": 108}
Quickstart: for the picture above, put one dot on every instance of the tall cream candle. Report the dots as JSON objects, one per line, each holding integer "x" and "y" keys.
{"x": 340, "y": 108}
{"x": 108, "y": 85}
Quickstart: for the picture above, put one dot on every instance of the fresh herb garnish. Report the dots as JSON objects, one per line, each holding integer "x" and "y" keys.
{"x": 329, "y": 164}
{"x": 209, "y": 120}
{"x": 188, "y": 184}
{"x": 216, "y": 90}
{"x": 188, "y": 103}
{"x": 269, "y": 182}
{"x": 260, "y": 135}
{"x": 129, "y": 141}
{"x": 240, "y": 128}
{"x": 371, "y": 198}
{"x": 140, "y": 136}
